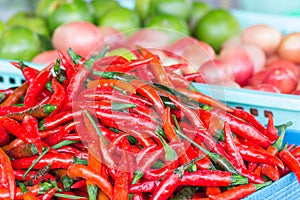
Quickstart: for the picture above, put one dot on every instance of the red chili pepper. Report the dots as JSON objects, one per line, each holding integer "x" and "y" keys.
{"x": 18, "y": 130}
{"x": 59, "y": 136}
{"x": 248, "y": 117}
{"x": 292, "y": 163}
{"x": 296, "y": 151}
{"x": 231, "y": 148}
{"x": 168, "y": 126}
{"x": 239, "y": 192}
{"x": 156, "y": 67}
{"x": 155, "y": 174}
{"x": 143, "y": 187}
{"x": 128, "y": 66}
{"x": 121, "y": 186}
{"x": 30, "y": 124}
{"x": 190, "y": 114}
{"x": 74, "y": 151}
{"x": 202, "y": 98}
{"x": 48, "y": 194}
{"x": 271, "y": 131}
{"x": 151, "y": 94}
{"x": 203, "y": 163}
{"x": 212, "y": 190}
{"x": 241, "y": 128}
{"x": 28, "y": 72}
{"x": 79, "y": 184}
{"x": 4, "y": 136}
{"x": 212, "y": 178}
{"x": 75, "y": 85}
{"x": 56, "y": 120}
{"x": 112, "y": 83}
{"x": 14, "y": 97}
{"x": 4, "y": 110}
{"x": 58, "y": 160}
{"x": 37, "y": 85}
{"x": 78, "y": 170}
{"x": 69, "y": 68}
{"x": 23, "y": 150}
{"x": 58, "y": 96}
{"x": 7, "y": 178}
{"x": 254, "y": 155}
{"x": 193, "y": 76}
{"x": 108, "y": 60}
{"x": 8, "y": 91}
{"x": 177, "y": 80}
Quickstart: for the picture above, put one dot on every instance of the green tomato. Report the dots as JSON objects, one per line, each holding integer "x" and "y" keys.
{"x": 199, "y": 9}
{"x": 174, "y": 26}
{"x": 178, "y": 8}
{"x": 216, "y": 27}
{"x": 45, "y": 7}
{"x": 102, "y": 6}
{"x": 34, "y": 23}
{"x": 2, "y": 27}
{"x": 19, "y": 43}
{"x": 121, "y": 19}
{"x": 70, "y": 11}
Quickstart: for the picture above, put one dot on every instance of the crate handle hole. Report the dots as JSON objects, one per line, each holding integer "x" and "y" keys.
{"x": 1, "y": 79}
{"x": 267, "y": 112}
{"x": 12, "y": 81}
{"x": 254, "y": 111}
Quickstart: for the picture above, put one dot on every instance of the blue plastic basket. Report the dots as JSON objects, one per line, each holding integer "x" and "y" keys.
{"x": 10, "y": 76}
{"x": 286, "y": 188}
{"x": 284, "y": 107}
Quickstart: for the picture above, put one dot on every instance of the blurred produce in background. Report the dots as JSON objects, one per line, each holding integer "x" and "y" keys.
{"x": 215, "y": 38}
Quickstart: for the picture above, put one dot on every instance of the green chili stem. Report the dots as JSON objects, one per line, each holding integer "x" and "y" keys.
{"x": 36, "y": 161}
{"x": 68, "y": 196}
{"x": 170, "y": 153}
{"x": 64, "y": 143}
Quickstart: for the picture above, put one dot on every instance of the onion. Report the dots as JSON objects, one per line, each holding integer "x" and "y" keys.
{"x": 257, "y": 56}
{"x": 289, "y": 47}
{"x": 263, "y": 36}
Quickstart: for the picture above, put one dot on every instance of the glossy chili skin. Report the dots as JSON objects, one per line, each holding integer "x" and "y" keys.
{"x": 166, "y": 187}
{"x": 144, "y": 187}
{"x": 37, "y": 86}
{"x": 235, "y": 193}
{"x": 78, "y": 170}
{"x": 58, "y": 160}
{"x": 7, "y": 178}
{"x": 16, "y": 95}
{"x": 291, "y": 162}
{"x": 58, "y": 96}
{"x": 56, "y": 120}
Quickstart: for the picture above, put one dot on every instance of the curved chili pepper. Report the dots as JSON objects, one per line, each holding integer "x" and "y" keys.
{"x": 49, "y": 194}
{"x": 166, "y": 187}
{"x": 78, "y": 170}
{"x": 58, "y": 160}
{"x": 239, "y": 192}
{"x": 69, "y": 68}
{"x": 177, "y": 80}
{"x": 56, "y": 120}
{"x": 37, "y": 85}
{"x": 254, "y": 155}
{"x": 7, "y": 178}
{"x": 203, "y": 163}
{"x": 28, "y": 72}
{"x": 109, "y": 60}
{"x": 4, "y": 136}
{"x": 4, "y": 110}
{"x": 212, "y": 190}
{"x": 156, "y": 66}
{"x": 271, "y": 131}
{"x": 74, "y": 151}
{"x": 202, "y": 98}
{"x": 143, "y": 187}
{"x": 58, "y": 96}
{"x": 231, "y": 148}
{"x": 154, "y": 174}
{"x": 23, "y": 150}
{"x": 121, "y": 186}
{"x": 40, "y": 111}
{"x": 128, "y": 66}
{"x": 14, "y": 97}
{"x": 75, "y": 85}
{"x": 292, "y": 163}
{"x": 151, "y": 94}
{"x": 112, "y": 83}
{"x": 212, "y": 178}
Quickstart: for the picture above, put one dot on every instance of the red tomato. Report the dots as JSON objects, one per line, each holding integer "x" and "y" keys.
{"x": 46, "y": 57}
{"x": 237, "y": 58}
{"x": 112, "y": 37}
{"x": 296, "y": 92}
{"x": 286, "y": 64}
{"x": 256, "y": 79}
{"x": 282, "y": 78}
{"x": 148, "y": 38}
{"x": 83, "y": 37}
{"x": 216, "y": 71}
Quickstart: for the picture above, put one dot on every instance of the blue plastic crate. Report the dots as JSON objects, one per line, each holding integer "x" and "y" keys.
{"x": 284, "y": 107}
{"x": 10, "y": 76}
{"x": 286, "y": 188}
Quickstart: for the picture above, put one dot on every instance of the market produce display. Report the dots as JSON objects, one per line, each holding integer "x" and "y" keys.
{"x": 110, "y": 128}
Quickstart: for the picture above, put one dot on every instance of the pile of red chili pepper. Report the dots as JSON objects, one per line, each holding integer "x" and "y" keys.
{"x": 111, "y": 128}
